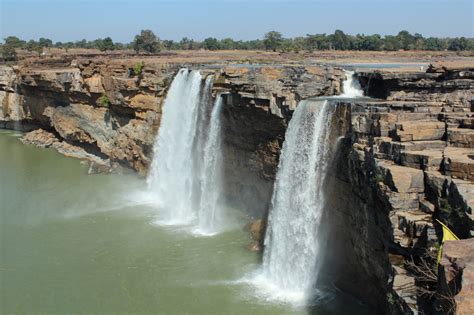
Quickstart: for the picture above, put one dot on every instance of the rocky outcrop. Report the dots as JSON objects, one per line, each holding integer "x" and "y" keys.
{"x": 411, "y": 162}
{"x": 457, "y": 275}
{"x": 453, "y": 88}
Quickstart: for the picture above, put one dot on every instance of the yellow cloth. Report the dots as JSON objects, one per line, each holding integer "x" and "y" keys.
{"x": 448, "y": 235}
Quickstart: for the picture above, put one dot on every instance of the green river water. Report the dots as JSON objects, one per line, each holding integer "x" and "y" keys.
{"x": 72, "y": 243}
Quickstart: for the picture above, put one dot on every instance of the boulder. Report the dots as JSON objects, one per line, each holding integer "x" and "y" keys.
{"x": 402, "y": 179}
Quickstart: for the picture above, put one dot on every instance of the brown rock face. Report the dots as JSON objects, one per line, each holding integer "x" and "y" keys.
{"x": 457, "y": 265}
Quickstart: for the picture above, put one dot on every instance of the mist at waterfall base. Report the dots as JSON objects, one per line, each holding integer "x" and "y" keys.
{"x": 185, "y": 175}
{"x": 296, "y": 238}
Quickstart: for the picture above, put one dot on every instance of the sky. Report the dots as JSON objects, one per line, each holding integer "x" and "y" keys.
{"x": 71, "y": 20}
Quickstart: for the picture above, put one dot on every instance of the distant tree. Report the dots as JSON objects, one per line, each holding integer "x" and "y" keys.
{"x": 210, "y": 44}
{"x": 105, "y": 44}
{"x": 146, "y": 41}
{"x": 15, "y": 42}
{"x": 433, "y": 43}
{"x": 286, "y": 45}
{"x": 273, "y": 40}
{"x": 34, "y": 46}
{"x": 8, "y": 52}
{"x": 419, "y": 41}
{"x": 367, "y": 42}
{"x": 185, "y": 43}
{"x": 391, "y": 43}
{"x": 170, "y": 44}
{"x": 340, "y": 41}
{"x": 405, "y": 40}
{"x": 9, "y": 48}
{"x": 458, "y": 44}
{"x": 228, "y": 44}
{"x": 317, "y": 42}
{"x": 45, "y": 42}
{"x": 299, "y": 44}
{"x": 81, "y": 44}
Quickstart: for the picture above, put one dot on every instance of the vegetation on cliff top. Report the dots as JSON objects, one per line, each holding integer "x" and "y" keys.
{"x": 148, "y": 42}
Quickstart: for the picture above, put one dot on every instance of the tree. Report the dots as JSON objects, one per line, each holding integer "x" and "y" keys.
{"x": 391, "y": 43}
{"x": 33, "y": 45}
{"x": 169, "y": 44}
{"x": 458, "y": 44}
{"x": 9, "y": 48}
{"x": 340, "y": 41}
{"x": 15, "y": 42}
{"x": 317, "y": 42}
{"x": 211, "y": 43}
{"x": 185, "y": 43}
{"x": 147, "y": 41}
{"x": 406, "y": 41}
{"x": 45, "y": 42}
{"x": 105, "y": 44}
{"x": 433, "y": 43}
{"x": 273, "y": 40}
{"x": 299, "y": 44}
{"x": 227, "y": 44}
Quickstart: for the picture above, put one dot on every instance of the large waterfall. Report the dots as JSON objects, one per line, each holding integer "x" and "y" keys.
{"x": 290, "y": 259}
{"x": 294, "y": 238}
{"x": 184, "y": 176}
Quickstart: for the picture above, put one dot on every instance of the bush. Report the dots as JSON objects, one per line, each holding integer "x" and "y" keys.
{"x": 137, "y": 70}
{"x": 104, "y": 101}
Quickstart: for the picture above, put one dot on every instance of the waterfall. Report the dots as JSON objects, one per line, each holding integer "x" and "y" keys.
{"x": 294, "y": 238}
{"x": 172, "y": 172}
{"x": 185, "y": 173}
{"x": 208, "y": 214}
{"x": 351, "y": 86}
{"x": 291, "y": 242}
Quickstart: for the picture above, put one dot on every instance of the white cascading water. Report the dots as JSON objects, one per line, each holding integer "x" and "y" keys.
{"x": 350, "y": 87}
{"x": 185, "y": 172}
{"x": 292, "y": 242}
{"x": 209, "y": 219}
{"x": 171, "y": 174}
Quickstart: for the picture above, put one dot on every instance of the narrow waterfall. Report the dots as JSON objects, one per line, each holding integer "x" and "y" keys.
{"x": 291, "y": 242}
{"x": 351, "y": 86}
{"x": 185, "y": 173}
{"x": 295, "y": 234}
{"x": 208, "y": 214}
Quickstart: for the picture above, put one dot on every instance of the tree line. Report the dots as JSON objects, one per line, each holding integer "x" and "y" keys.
{"x": 148, "y": 42}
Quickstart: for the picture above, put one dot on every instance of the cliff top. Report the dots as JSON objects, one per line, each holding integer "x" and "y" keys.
{"x": 399, "y": 61}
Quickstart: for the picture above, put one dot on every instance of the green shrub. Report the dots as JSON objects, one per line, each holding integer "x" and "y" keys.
{"x": 104, "y": 101}
{"x": 137, "y": 70}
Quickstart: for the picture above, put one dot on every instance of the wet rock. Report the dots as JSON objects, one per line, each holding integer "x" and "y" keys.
{"x": 39, "y": 138}
{"x": 257, "y": 230}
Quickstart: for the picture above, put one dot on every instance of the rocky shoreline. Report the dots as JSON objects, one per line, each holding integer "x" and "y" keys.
{"x": 407, "y": 157}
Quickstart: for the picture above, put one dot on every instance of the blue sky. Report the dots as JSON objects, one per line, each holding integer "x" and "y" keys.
{"x": 69, "y": 20}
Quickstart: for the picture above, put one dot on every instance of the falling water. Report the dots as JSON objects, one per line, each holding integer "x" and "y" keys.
{"x": 351, "y": 86}
{"x": 208, "y": 214}
{"x": 172, "y": 172}
{"x": 291, "y": 242}
{"x": 294, "y": 237}
{"x": 186, "y": 169}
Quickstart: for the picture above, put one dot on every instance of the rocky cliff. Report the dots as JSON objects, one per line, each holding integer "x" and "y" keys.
{"x": 108, "y": 111}
{"x": 411, "y": 162}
